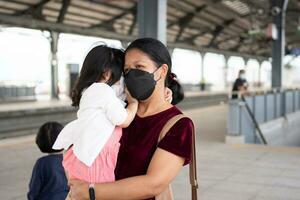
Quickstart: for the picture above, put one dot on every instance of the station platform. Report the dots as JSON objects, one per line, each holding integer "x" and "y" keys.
{"x": 64, "y": 101}
{"x": 24, "y": 118}
{"x": 239, "y": 172}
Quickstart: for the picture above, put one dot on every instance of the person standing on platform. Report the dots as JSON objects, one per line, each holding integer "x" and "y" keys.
{"x": 240, "y": 84}
{"x": 48, "y": 180}
{"x": 146, "y": 165}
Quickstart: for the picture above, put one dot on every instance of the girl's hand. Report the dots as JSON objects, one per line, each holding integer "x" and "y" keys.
{"x": 129, "y": 98}
{"x": 79, "y": 190}
{"x": 168, "y": 94}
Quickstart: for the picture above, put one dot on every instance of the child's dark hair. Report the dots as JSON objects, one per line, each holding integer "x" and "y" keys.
{"x": 98, "y": 61}
{"x": 47, "y": 135}
{"x": 159, "y": 54}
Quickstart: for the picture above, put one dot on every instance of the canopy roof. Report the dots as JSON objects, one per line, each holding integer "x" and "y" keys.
{"x": 233, "y": 27}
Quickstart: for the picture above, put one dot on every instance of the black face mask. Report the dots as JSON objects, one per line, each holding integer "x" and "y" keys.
{"x": 140, "y": 84}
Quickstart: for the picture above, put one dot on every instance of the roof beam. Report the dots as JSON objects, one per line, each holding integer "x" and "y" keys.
{"x": 188, "y": 17}
{"x": 213, "y": 50}
{"x": 218, "y": 30}
{"x": 234, "y": 37}
{"x": 239, "y": 44}
{"x": 63, "y": 10}
{"x": 184, "y": 21}
{"x": 109, "y": 23}
{"x": 134, "y": 22}
{"x": 35, "y": 10}
{"x": 64, "y": 28}
{"x": 174, "y": 4}
{"x": 105, "y": 3}
{"x": 194, "y": 37}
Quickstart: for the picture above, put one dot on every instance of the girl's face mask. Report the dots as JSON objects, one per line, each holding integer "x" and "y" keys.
{"x": 140, "y": 84}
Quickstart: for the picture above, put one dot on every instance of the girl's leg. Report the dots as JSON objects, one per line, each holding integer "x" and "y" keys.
{"x": 67, "y": 176}
{"x": 68, "y": 196}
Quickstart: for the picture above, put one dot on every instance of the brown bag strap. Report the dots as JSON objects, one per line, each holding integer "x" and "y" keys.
{"x": 193, "y": 169}
{"x": 193, "y": 166}
{"x": 169, "y": 125}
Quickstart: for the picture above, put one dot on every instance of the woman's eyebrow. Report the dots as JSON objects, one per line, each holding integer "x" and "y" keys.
{"x": 139, "y": 62}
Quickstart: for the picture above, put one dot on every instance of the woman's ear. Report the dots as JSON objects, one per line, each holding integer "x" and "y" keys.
{"x": 164, "y": 71}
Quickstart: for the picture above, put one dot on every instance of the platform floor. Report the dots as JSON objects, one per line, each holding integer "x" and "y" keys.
{"x": 17, "y": 106}
{"x": 233, "y": 172}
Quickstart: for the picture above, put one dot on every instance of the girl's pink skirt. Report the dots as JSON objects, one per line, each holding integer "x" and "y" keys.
{"x": 102, "y": 169}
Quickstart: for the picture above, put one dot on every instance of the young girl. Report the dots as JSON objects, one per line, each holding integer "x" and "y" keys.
{"x": 48, "y": 180}
{"x": 92, "y": 140}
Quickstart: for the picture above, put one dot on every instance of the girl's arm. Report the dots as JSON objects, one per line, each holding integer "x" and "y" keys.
{"x": 131, "y": 110}
{"x": 159, "y": 175}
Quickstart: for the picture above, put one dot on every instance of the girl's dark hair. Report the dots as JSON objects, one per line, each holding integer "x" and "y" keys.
{"x": 160, "y": 55}
{"x": 98, "y": 61}
{"x": 47, "y": 135}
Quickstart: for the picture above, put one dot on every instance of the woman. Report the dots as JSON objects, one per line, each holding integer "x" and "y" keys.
{"x": 145, "y": 168}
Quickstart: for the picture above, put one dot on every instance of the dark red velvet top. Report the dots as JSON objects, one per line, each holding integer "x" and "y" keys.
{"x": 139, "y": 142}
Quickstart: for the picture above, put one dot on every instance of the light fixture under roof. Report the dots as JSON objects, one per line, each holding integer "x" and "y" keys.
{"x": 238, "y": 6}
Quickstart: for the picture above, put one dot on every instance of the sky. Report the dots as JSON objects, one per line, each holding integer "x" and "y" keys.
{"x": 25, "y": 59}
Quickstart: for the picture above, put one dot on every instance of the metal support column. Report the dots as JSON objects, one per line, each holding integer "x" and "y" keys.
{"x": 202, "y": 81}
{"x": 202, "y": 66}
{"x": 152, "y": 19}
{"x": 260, "y": 62}
{"x": 278, "y": 12}
{"x": 246, "y": 60}
{"x": 226, "y": 58}
{"x": 54, "y": 65}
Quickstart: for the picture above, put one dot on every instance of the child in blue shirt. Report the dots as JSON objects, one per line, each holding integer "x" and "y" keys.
{"x": 48, "y": 180}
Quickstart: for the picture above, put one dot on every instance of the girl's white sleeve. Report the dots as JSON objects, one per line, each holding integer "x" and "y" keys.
{"x": 114, "y": 109}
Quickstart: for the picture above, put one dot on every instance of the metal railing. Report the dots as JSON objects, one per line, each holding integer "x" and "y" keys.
{"x": 260, "y": 134}
{"x": 275, "y": 103}
{"x": 251, "y": 109}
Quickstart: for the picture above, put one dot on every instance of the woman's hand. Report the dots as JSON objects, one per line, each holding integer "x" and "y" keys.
{"x": 79, "y": 190}
{"x": 168, "y": 94}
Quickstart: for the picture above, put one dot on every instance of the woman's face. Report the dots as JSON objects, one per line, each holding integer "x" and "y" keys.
{"x": 136, "y": 59}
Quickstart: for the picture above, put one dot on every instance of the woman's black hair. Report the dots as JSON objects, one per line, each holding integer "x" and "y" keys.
{"x": 175, "y": 86}
{"x": 99, "y": 60}
{"x": 160, "y": 55}
{"x": 47, "y": 135}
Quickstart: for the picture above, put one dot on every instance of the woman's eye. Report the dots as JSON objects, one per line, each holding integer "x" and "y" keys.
{"x": 139, "y": 66}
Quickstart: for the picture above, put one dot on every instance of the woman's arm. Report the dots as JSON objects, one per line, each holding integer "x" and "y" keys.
{"x": 159, "y": 175}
